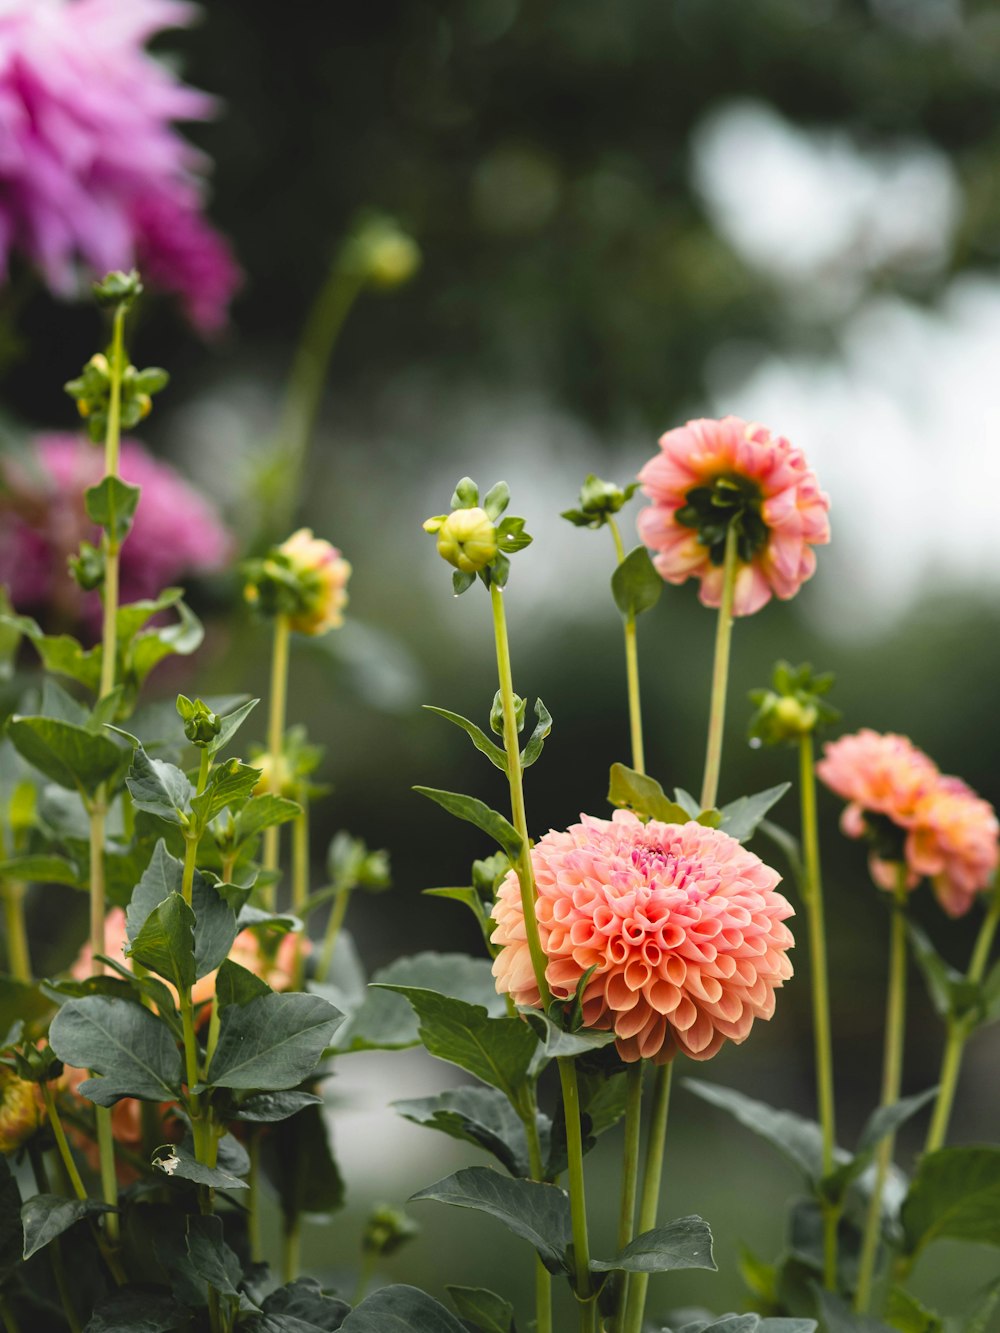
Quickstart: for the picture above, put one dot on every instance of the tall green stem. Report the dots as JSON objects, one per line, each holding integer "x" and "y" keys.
{"x": 813, "y": 896}
{"x": 333, "y": 927}
{"x": 543, "y": 1278}
{"x": 959, "y": 1031}
{"x": 892, "y": 1073}
{"x": 305, "y": 385}
{"x": 631, "y": 669}
{"x": 18, "y": 955}
{"x": 577, "y": 1196}
{"x": 720, "y": 672}
{"x": 276, "y": 734}
{"x": 650, "y": 1200}
{"x": 253, "y": 1203}
{"x": 525, "y": 873}
{"x": 630, "y": 1172}
{"x": 300, "y": 885}
{"x": 62, "y": 1143}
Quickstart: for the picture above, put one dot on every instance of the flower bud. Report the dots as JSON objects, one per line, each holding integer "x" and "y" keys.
{"x": 305, "y": 578}
{"x": 794, "y": 707}
{"x": 20, "y": 1114}
{"x": 201, "y": 725}
{"x": 382, "y": 253}
{"x": 466, "y": 538}
{"x": 386, "y": 1230}
{"x": 275, "y": 776}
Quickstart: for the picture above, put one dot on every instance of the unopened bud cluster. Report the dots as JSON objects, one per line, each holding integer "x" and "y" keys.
{"x": 793, "y": 707}
{"x": 598, "y": 501}
{"x": 305, "y": 579}
{"x": 473, "y": 537}
{"x": 201, "y": 725}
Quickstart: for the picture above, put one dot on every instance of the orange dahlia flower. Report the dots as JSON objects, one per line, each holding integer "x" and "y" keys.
{"x": 709, "y": 474}
{"x": 680, "y": 922}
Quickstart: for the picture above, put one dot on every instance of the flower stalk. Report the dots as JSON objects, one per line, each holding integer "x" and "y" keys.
{"x": 276, "y": 734}
{"x": 649, "y": 1203}
{"x": 18, "y": 952}
{"x": 577, "y": 1196}
{"x": 631, "y": 667}
{"x": 892, "y": 1072}
{"x": 720, "y": 671}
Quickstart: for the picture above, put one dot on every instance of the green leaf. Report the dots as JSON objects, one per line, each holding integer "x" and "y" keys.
{"x": 483, "y": 1116}
{"x": 133, "y": 615}
{"x": 272, "y": 1042}
{"x": 503, "y": 833}
{"x": 498, "y": 1051}
{"x": 215, "y": 922}
{"x": 906, "y": 1314}
{"x": 129, "y": 1310}
{"x": 20, "y": 1000}
{"x": 943, "y": 982}
{"x": 11, "y": 1231}
{"x": 400, "y": 1309}
{"x": 386, "y": 1021}
{"x": 67, "y": 754}
{"x": 630, "y": 790}
{"x": 238, "y": 985}
{"x": 986, "y": 1302}
{"x": 537, "y": 1213}
{"x": 43, "y": 869}
{"x": 46, "y": 1216}
{"x": 262, "y": 812}
{"x": 150, "y": 648}
{"x": 228, "y": 784}
{"x": 955, "y": 1193}
{"x": 165, "y": 944}
{"x": 789, "y": 845}
{"x": 489, "y": 1312}
{"x": 231, "y": 724}
{"x": 557, "y": 1043}
{"x": 476, "y": 734}
{"x": 635, "y": 584}
{"x": 305, "y": 1300}
{"x": 133, "y": 1051}
{"x": 887, "y": 1120}
{"x": 800, "y": 1140}
{"x": 838, "y": 1317}
{"x": 210, "y": 1257}
{"x": 741, "y": 817}
{"x": 177, "y": 1160}
{"x": 267, "y": 1108}
{"x": 60, "y": 653}
{"x": 300, "y": 1165}
{"x": 111, "y": 504}
{"x": 536, "y": 740}
{"x": 686, "y": 1243}
{"x": 158, "y": 787}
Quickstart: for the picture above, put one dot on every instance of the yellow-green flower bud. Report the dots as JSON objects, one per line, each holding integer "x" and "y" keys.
{"x": 467, "y": 539}
{"x": 794, "y": 718}
{"x": 20, "y": 1113}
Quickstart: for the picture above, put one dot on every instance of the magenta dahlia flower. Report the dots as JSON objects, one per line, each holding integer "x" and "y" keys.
{"x": 92, "y": 171}
{"x": 176, "y": 531}
{"x": 682, "y": 924}
{"x": 934, "y": 825}
{"x": 709, "y": 474}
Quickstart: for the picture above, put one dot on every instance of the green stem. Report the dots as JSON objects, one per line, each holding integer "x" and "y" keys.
{"x": 18, "y": 955}
{"x": 305, "y": 385}
{"x": 577, "y": 1196}
{"x": 525, "y": 873}
{"x": 62, "y": 1143}
{"x": 333, "y": 927}
{"x": 813, "y": 896}
{"x": 720, "y": 672}
{"x": 276, "y": 736}
{"x": 253, "y": 1203}
{"x": 291, "y": 1253}
{"x": 55, "y": 1246}
{"x": 300, "y": 887}
{"x": 630, "y": 1172}
{"x": 959, "y": 1031}
{"x": 631, "y": 669}
{"x": 109, "y": 639}
{"x": 7, "y": 1315}
{"x": 892, "y": 1073}
{"x": 543, "y": 1278}
{"x": 102, "y": 1114}
{"x": 649, "y": 1202}
{"x": 369, "y": 1263}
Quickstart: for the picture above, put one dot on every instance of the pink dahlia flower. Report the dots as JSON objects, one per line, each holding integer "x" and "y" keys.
{"x": 946, "y": 832}
{"x": 92, "y": 170}
{"x": 682, "y": 924}
{"x": 712, "y": 473}
{"x": 176, "y": 530}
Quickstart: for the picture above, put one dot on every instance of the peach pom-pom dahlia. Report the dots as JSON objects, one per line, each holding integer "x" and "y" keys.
{"x": 709, "y": 474}
{"x": 915, "y": 817}
{"x": 682, "y": 925}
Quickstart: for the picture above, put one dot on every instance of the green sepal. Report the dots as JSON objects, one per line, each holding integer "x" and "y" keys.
{"x": 630, "y": 790}
{"x": 686, "y": 1243}
{"x": 635, "y": 584}
{"x": 478, "y": 737}
{"x": 461, "y": 581}
{"x": 511, "y": 536}
{"x": 493, "y": 824}
{"x": 111, "y": 504}
{"x": 117, "y": 288}
{"x": 466, "y": 494}
{"x": 496, "y": 500}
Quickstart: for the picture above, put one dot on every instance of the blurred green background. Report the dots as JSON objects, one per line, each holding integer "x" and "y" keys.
{"x": 630, "y": 213}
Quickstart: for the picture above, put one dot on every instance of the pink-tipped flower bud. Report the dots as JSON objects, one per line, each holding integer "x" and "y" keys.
{"x": 305, "y": 579}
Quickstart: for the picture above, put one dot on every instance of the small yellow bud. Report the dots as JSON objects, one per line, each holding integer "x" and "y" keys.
{"x": 392, "y": 260}
{"x": 274, "y": 776}
{"x": 20, "y": 1113}
{"x": 795, "y": 719}
{"x": 467, "y": 539}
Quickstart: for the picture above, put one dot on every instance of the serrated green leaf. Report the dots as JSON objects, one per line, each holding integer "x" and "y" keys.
{"x": 498, "y": 1051}
{"x": 493, "y": 824}
{"x": 268, "y": 1108}
{"x": 210, "y": 1257}
{"x": 741, "y": 817}
{"x": 177, "y": 1160}
{"x": 60, "y": 653}
{"x": 215, "y": 922}
{"x": 537, "y": 1213}
{"x": 111, "y": 504}
{"x": 228, "y": 784}
{"x": 630, "y": 790}
{"x": 635, "y": 584}
{"x": 476, "y": 734}
{"x": 400, "y": 1309}
{"x": 46, "y": 1216}
{"x": 157, "y": 787}
{"x": 150, "y": 647}
{"x": 489, "y": 1312}
{"x": 686, "y": 1243}
{"x": 260, "y": 813}
{"x": 69, "y": 755}
{"x": 955, "y": 1193}
{"x": 888, "y": 1119}
{"x": 235, "y": 984}
{"x": 483, "y": 1116}
{"x": 165, "y": 943}
{"x": 133, "y": 1051}
{"x": 131, "y": 616}
{"x": 272, "y": 1042}
{"x": 304, "y": 1300}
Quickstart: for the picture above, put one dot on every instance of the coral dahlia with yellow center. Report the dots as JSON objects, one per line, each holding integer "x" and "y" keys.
{"x": 710, "y": 474}
{"x": 681, "y": 924}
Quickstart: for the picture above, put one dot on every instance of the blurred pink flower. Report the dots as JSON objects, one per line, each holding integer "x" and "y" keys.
{"x": 946, "y": 831}
{"x": 92, "y": 170}
{"x": 784, "y": 513}
{"x": 682, "y": 924}
{"x": 176, "y": 531}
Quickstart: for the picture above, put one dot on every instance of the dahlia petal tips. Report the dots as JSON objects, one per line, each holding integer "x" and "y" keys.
{"x": 682, "y": 925}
